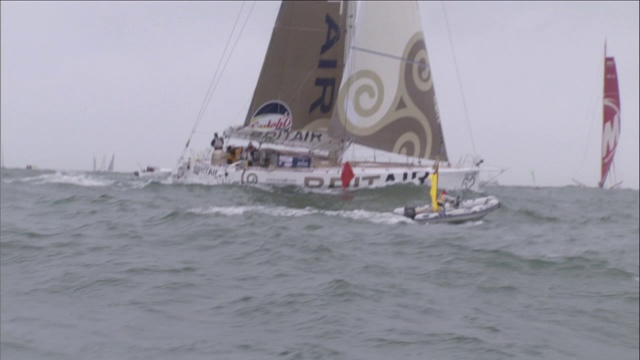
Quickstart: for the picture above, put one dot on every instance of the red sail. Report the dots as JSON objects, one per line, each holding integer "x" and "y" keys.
{"x": 610, "y": 117}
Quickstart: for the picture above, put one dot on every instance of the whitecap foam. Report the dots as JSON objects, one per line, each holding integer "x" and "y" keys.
{"x": 372, "y": 216}
{"x": 335, "y": 191}
{"x": 239, "y": 210}
{"x": 375, "y": 217}
{"x": 473, "y": 223}
{"x": 80, "y": 179}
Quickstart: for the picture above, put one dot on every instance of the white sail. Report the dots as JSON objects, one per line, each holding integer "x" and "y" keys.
{"x": 387, "y": 98}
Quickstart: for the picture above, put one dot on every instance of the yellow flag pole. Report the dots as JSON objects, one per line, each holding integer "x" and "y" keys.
{"x": 434, "y": 187}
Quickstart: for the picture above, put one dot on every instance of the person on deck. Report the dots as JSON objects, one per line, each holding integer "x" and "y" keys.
{"x": 231, "y": 154}
{"x": 249, "y": 153}
{"x": 238, "y": 154}
{"x": 217, "y": 142}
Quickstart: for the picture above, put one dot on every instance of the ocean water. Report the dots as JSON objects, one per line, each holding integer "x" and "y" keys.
{"x": 106, "y": 266}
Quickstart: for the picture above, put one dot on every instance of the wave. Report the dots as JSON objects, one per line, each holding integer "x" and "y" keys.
{"x": 279, "y": 211}
{"x": 60, "y": 177}
{"x": 584, "y": 262}
{"x": 534, "y": 215}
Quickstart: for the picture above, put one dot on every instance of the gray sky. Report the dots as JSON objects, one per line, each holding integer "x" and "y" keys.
{"x": 96, "y": 78}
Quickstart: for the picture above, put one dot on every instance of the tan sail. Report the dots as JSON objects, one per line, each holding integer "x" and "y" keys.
{"x": 387, "y": 99}
{"x": 302, "y": 70}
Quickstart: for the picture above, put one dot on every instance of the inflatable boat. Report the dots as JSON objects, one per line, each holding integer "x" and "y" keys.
{"x": 466, "y": 210}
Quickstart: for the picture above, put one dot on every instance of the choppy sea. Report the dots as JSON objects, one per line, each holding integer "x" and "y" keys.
{"x": 107, "y": 266}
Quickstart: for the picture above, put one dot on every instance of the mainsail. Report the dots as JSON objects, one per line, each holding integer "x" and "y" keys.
{"x": 387, "y": 100}
{"x": 302, "y": 69}
{"x": 610, "y": 117}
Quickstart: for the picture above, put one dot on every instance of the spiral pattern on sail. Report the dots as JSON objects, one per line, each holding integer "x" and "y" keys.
{"x": 422, "y": 71}
{"x": 410, "y": 123}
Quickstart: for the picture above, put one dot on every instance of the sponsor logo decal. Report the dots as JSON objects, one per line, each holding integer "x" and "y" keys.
{"x": 327, "y": 83}
{"x": 366, "y": 181}
{"x": 200, "y": 169}
{"x": 610, "y": 129}
{"x": 274, "y": 115}
{"x": 285, "y": 136}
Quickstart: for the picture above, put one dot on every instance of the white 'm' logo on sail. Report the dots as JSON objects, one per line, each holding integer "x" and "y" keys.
{"x": 611, "y": 129}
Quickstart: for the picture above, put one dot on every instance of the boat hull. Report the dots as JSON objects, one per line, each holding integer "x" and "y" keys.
{"x": 160, "y": 174}
{"x": 468, "y": 210}
{"x": 365, "y": 176}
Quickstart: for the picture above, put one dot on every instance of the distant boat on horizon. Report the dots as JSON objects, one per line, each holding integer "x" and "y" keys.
{"x": 103, "y": 167}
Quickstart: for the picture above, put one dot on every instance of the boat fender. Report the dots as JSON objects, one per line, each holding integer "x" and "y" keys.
{"x": 410, "y": 212}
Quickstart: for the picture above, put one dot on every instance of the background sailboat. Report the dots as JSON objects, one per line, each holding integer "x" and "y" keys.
{"x": 103, "y": 166}
{"x": 610, "y": 131}
{"x": 610, "y": 119}
{"x": 110, "y": 168}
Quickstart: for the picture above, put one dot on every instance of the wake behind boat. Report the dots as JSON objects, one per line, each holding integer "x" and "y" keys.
{"x": 325, "y": 90}
{"x": 466, "y": 210}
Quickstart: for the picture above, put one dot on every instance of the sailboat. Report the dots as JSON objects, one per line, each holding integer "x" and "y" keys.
{"x": 610, "y": 122}
{"x": 340, "y": 79}
{"x": 610, "y": 118}
{"x": 110, "y": 168}
{"x": 103, "y": 166}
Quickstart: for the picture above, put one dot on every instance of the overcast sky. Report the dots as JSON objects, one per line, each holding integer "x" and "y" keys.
{"x": 128, "y": 78}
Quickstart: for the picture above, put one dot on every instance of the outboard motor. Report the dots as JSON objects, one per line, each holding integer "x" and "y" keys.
{"x": 410, "y": 212}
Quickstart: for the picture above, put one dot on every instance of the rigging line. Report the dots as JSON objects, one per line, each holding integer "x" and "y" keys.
{"x": 243, "y": 109}
{"x": 421, "y": 64}
{"x": 455, "y": 62}
{"x": 216, "y": 78}
{"x": 231, "y": 53}
{"x": 209, "y": 90}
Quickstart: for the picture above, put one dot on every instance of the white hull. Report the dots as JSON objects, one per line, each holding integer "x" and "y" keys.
{"x": 366, "y": 176}
{"x": 468, "y": 210}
